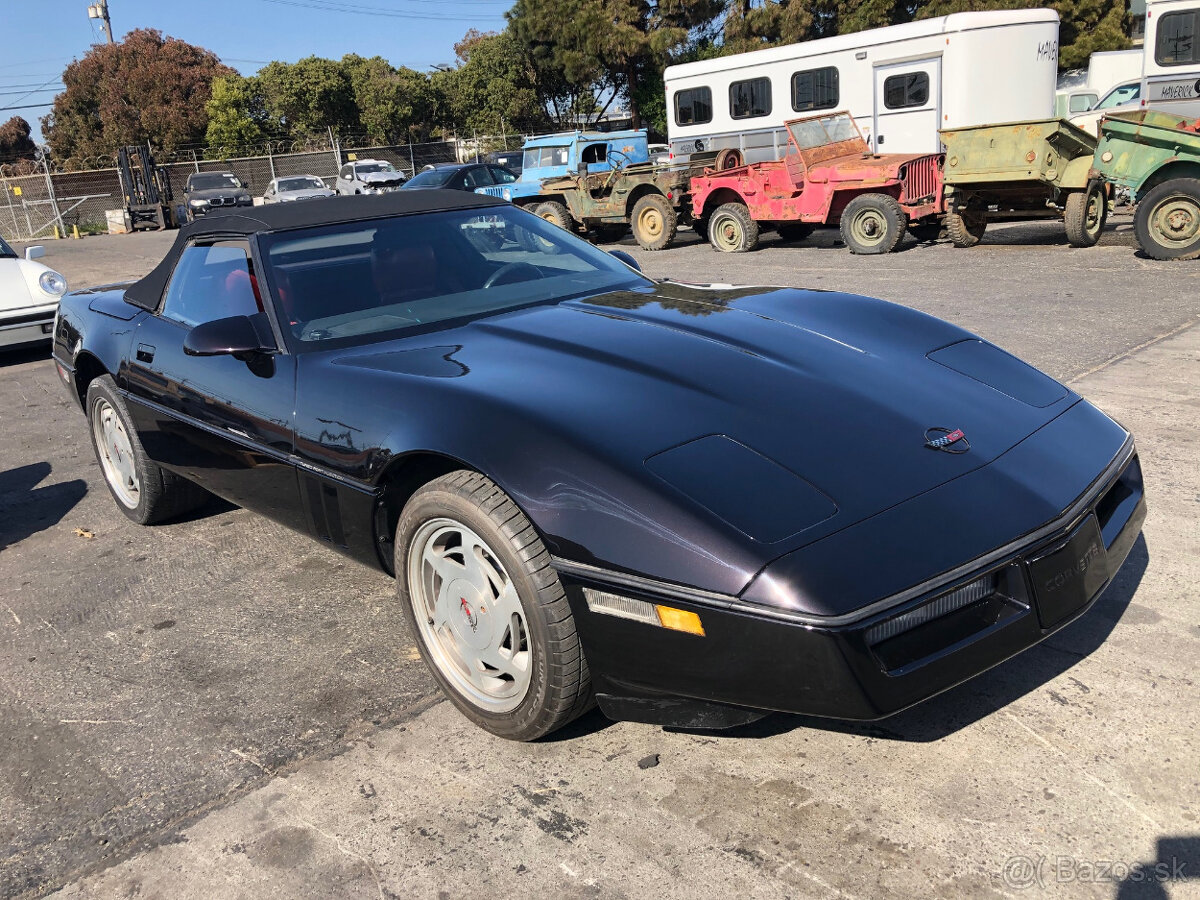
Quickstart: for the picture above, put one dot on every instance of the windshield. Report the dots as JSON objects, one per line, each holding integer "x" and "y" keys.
{"x": 542, "y": 157}
{"x": 362, "y": 282}
{"x": 5, "y": 250}
{"x": 1125, "y": 93}
{"x": 430, "y": 178}
{"x": 823, "y": 130}
{"x": 368, "y": 168}
{"x": 208, "y": 182}
{"x": 304, "y": 183}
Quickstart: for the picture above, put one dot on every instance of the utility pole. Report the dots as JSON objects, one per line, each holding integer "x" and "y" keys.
{"x": 99, "y": 10}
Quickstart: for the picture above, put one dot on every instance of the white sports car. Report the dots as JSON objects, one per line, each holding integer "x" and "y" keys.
{"x": 29, "y": 295}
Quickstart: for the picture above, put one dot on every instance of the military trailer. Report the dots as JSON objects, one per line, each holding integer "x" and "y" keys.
{"x": 1157, "y": 157}
{"x": 1019, "y": 171}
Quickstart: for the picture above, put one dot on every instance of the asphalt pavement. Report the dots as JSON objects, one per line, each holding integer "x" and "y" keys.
{"x": 221, "y": 708}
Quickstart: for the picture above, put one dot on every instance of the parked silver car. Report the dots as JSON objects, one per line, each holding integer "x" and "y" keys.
{"x": 296, "y": 187}
{"x": 369, "y": 176}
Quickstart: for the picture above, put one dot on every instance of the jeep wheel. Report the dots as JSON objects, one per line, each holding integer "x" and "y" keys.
{"x": 731, "y": 230}
{"x": 653, "y": 222}
{"x": 873, "y": 223}
{"x": 553, "y": 211}
{"x": 1167, "y": 222}
{"x": 1085, "y": 214}
{"x": 965, "y": 229}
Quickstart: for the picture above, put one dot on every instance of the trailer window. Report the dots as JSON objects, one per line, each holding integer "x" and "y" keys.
{"x": 903, "y": 91}
{"x": 750, "y": 99}
{"x": 1175, "y": 40}
{"x": 815, "y": 89}
{"x": 693, "y": 106}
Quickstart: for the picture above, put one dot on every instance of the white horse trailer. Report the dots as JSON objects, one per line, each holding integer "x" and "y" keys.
{"x": 1171, "y": 64}
{"x": 901, "y": 83}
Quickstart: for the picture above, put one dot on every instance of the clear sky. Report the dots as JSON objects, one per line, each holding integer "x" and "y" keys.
{"x": 38, "y": 39}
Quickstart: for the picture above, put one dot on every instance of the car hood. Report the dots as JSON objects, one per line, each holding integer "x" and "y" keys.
{"x": 306, "y": 194}
{"x": 836, "y": 393}
{"x": 217, "y": 192}
{"x": 382, "y": 177}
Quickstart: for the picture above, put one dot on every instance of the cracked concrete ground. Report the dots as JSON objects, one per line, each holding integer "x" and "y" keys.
{"x": 214, "y": 709}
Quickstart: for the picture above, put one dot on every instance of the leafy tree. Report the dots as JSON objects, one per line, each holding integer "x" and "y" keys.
{"x": 15, "y": 143}
{"x": 392, "y": 103}
{"x": 492, "y": 88}
{"x": 145, "y": 88}
{"x": 307, "y": 97}
{"x": 234, "y": 113}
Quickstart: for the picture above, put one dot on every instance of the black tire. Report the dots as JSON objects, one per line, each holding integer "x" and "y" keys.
{"x": 731, "y": 230}
{"x": 559, "y": 684}
{"x": 873, "y": 223}
{"x": 1085, "y": 214}
{"x": 557, "y": 213}
{"x": 926, "y": 232}
{"x": 965, "y": 229}
{"x": 729, "y": 158}
{"x": 159, "y": 494}
{"x": 654, "y": 222}
{"x": 794, "y": 232}
{"x": 1167, "y": 221}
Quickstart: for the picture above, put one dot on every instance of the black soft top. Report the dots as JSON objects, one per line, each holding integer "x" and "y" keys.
{"x": 309, "y": 214}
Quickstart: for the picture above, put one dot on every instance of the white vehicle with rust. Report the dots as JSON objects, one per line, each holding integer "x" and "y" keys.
{"x": 29, "y": 295}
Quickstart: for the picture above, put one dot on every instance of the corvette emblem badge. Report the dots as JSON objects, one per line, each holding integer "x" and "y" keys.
{"x": 947, "y": 440}
{"x": 472, "y": 619}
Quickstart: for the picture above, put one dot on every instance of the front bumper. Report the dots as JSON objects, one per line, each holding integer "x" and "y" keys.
{"x": 747, "y": 664}
{"x": 32, "y": 327}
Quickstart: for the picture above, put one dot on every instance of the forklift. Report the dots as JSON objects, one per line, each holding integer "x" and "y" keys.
{"x": 146, "y": 189}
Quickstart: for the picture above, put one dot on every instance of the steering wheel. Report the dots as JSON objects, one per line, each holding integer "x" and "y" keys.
{"x": 499, "y": 276}
{"x": 618, "y": 161}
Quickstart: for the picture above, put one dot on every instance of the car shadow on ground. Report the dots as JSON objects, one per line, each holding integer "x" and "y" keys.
{"x": 991, "y": 691}
{"x": 1177, "y": 860}
{"x": 26, "y": 509}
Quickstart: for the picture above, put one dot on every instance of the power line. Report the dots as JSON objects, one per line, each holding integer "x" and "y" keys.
{"x": 324, "y": 6}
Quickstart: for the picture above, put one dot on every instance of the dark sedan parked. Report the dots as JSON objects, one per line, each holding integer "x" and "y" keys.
{"x": 207, "y": 192}
{"x": 459, "y": 177}
{"x": 690, "y": 503}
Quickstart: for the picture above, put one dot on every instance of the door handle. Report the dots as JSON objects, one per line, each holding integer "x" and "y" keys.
{"x": 145, "y": 353}
{"x": 879, "y": 139}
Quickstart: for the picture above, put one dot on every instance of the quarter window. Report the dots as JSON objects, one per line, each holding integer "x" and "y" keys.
{"x": 903, "y": 91}
{"x": 750, "y": 99}
{"x": 693, "y": 106}
{"x": 502, "y": 175}
{"x": 1175, "y": 40}
{"x": 815, "y": 89}
{"x": 212, "y": 281}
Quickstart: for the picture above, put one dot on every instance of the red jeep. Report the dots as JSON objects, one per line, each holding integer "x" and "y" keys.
{"x": 829, "y": 177}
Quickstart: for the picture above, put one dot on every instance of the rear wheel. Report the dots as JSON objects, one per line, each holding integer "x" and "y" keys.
{"x": 965, "y": 229}
{"x": 1167, "y": 222}
{"x": 794, "y": 232}
{"x": 653, "y": 222}
{"x": 873, "y": 223}
{"x": 553, "y": 211}
{"x": 731, "y": 230}
{"x": 1085, "y": 214}
{"x": 491, "y": 619}
{"x": 144, "y": 491}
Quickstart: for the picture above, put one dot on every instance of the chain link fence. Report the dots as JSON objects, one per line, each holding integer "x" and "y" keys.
{"x": 31, "y": 206}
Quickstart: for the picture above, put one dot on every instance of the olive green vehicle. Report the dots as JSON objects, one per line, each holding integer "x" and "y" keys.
{"x": 643, "y": 197}
{"x": 1019, "y": 171}
{"x": 1156, "y": 156}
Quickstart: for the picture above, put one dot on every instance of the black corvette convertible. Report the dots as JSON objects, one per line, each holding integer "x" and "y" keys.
{"x": 690, "y": 503}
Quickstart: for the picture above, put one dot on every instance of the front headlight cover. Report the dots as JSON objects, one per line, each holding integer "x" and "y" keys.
{"x": 52, "y": 283}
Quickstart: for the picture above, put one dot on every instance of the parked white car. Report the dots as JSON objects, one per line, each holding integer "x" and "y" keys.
{"x": 369, "y": 176}
{"x": 295, "y": 187}
{"x": 1123, "y": 98}
{"x": 29, "y": 295}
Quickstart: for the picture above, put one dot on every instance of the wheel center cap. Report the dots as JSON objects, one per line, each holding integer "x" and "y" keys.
{"x": 469, "y": 614}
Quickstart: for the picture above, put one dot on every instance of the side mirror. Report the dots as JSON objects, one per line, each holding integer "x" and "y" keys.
{"x": 625, "y": 258}
{"x": 233, "y": 336}
{"x": 36, "y": 252}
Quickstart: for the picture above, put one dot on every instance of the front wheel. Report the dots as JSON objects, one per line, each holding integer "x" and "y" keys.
{"x": 1167, "y": 222}
{"x": 873, "y": 223}
{"x": 654, "y": 222}
{"x": 965, "y": 229}
{"x": 144, "y": 491}
{"x": 491, "y": 619}
{"x": 731, "y": 229}
{"x": 553, "y": 211}
{"x": 1085, "y": 214}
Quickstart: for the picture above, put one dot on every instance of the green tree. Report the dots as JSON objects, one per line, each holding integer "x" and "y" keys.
{"x": 492, "y": 88}
{"x": 234, "y": 113}
{"x": 15, "y": 143}
{"x": 305, "y": 98}
{"x": 145, "y": 88}
{"x": 393, "y": 104}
